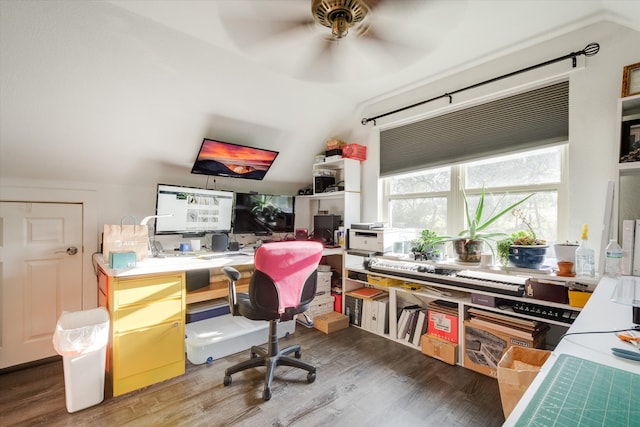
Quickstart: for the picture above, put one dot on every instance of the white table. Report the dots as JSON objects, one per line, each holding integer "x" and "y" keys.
{"x": 600, "y": 314}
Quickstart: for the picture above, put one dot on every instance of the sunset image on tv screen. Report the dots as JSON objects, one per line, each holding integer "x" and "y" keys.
{"x": 238, "y": 161}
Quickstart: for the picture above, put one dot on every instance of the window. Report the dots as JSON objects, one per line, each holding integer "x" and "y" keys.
{"x": 432, "y": 198}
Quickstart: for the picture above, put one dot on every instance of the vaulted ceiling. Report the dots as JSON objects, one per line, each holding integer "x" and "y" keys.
{"x": 124, "y": 91}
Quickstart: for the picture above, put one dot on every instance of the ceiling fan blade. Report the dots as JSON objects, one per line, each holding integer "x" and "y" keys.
{"x": 282, "y": 35}
{"x": 250, "y": 24}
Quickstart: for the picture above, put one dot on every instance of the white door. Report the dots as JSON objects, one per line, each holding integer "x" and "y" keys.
{"x": 41, "y": 276}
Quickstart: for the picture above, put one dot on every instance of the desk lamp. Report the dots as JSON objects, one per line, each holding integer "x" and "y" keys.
{"x": 627, "y": 292}
{"x": 151, "y": 247}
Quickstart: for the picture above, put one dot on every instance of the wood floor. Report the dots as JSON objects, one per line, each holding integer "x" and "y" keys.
{"x": 362, "y": 380}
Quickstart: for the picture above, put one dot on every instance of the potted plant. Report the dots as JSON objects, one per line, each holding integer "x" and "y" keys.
{"x": 429, "y": 245}
{"x": 523, "y": 248}
{"x": 470, "y": 241}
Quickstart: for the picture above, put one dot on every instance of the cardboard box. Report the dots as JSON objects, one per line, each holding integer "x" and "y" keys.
{"x": 443, "y": 326}
{"x": 440, "y": 349}
{"x": 331, "y": 322}
{"x": 484, "y": 347}
{"x": 517, "y": 369}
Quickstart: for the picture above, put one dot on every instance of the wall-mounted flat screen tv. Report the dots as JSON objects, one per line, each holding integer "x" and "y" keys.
{"x": 263, "y": 214}
{"x": 193, "y": 210}
{"x": 237, "y": 161}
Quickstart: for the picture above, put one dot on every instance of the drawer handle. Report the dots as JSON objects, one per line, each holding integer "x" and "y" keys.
{"x": 176, "y": 324}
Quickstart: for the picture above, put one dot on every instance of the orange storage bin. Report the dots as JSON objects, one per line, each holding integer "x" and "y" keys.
{"x": 355, "y": 151}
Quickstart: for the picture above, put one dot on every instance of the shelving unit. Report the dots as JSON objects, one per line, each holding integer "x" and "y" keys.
{"x": 427, "y": 291}
{"x": 345, "y": 203}
{"x": 626, "y": 200}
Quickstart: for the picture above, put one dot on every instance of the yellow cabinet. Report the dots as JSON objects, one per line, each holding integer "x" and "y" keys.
{"x": 147, "y": 332}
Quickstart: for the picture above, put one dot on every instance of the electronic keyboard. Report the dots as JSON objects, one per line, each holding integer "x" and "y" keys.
{"x": 489, "y": 282}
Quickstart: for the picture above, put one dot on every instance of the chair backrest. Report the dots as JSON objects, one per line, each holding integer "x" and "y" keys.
{"x": 285, "y": 275}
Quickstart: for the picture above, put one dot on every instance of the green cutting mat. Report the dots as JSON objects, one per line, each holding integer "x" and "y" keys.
{"x": 578, "y": 392}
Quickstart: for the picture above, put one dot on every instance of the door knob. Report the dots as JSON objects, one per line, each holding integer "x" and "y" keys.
{"x": 71, "y": 250}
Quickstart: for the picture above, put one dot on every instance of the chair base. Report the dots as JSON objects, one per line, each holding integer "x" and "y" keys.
{"x": 270, "y": 358}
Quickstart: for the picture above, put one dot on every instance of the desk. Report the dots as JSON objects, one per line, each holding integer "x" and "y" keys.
{"x": 146, "y": 305}
{"x": 600, "y": 314}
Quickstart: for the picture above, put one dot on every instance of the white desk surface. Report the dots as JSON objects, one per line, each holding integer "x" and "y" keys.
{"x": 600, "y": 314}
{"x": 187, "y": 262}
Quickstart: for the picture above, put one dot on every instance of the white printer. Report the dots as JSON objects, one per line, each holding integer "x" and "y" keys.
{"x": 373, "y": 239}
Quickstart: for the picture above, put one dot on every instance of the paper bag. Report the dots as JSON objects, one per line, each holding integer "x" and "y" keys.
{"x": 125, "y": 237}
{"x": 516, "y": 371}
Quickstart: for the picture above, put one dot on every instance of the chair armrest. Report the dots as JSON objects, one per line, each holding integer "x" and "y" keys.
{"x": 234, "y": 276}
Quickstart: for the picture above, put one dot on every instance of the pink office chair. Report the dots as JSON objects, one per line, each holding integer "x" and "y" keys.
{"x": 283, "y": 285}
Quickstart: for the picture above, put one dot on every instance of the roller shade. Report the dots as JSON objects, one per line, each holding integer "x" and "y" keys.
{"x": 526, "y": 120}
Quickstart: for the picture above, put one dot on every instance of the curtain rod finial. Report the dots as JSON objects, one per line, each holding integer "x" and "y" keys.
{"x": 364, "y": 121}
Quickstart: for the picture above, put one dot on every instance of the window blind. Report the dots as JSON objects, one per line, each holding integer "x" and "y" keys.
{"x": 522, "y": 121}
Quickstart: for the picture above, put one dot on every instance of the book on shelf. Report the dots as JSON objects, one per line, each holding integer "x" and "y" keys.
{"x": 421, "y": 327}
{"x": 635, "y": 270}
{"x": 403, "y": 322}
{"x": 366, "y": 293}
{"x": 415, "y": 327}
{"x": 628, "y": 235}
{"x": 375, "y": 315}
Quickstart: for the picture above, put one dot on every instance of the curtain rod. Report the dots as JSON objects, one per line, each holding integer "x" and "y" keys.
{"x": 589, "y": 50}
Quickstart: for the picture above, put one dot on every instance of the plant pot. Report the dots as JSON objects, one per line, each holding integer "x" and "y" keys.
{"x": 438, "y": 252}
{"x": 566, "y": 252}
{"x": 468, "y": 250}
{"x": 527, "y": 256}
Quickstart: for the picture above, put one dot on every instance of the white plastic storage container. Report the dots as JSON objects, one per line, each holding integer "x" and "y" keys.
{"x": 324, "y": 282}
{"x": 211, "y": 339}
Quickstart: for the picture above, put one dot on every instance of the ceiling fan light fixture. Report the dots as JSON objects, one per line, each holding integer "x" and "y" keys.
{"x": 340, "y": 25}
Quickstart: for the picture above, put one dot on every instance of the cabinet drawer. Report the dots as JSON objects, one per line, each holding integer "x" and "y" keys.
{"x": 142, "y": 290}
{"x": 148, "y": 349}
{"x": 141, "y": 316}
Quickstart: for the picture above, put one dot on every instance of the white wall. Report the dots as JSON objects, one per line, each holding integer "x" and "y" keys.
{"x": 595, "y": 88}
{"x": 594, "y": 92}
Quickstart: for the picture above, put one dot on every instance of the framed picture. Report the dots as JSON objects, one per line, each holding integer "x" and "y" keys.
{"x": 630, "y": 141}
{"x": 631, "y": 80}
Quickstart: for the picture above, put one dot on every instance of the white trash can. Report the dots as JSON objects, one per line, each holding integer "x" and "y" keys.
{"x": 81, "y": 339}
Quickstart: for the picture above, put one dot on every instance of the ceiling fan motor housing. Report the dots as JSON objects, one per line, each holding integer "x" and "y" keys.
{"x": 339, "y": 15}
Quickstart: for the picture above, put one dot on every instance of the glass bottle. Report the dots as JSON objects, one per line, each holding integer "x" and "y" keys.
{"x": 585, "y": 256}
{"x": 613, "y": 259}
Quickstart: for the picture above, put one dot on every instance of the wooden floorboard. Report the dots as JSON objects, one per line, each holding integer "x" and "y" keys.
{"x": 362, "y": 380}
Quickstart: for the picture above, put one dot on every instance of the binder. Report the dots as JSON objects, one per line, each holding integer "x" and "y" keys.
{"x": 421, "y": 327}
{"x": 628, "y": 235}
{"x": 636, "y": 251}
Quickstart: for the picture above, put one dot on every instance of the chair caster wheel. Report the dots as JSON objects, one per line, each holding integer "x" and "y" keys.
{"x": 298, "y": 355}
{"x": 266, "y": 394}
{"x": 227, "y": 380}
{"x": 311, "y": 377}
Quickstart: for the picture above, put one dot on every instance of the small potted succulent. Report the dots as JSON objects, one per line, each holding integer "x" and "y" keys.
{"x": 523, "y": 248}
{"x": 428, "y": 246}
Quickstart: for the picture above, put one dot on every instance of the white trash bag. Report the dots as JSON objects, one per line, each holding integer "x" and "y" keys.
{"x": 81, "y": 332}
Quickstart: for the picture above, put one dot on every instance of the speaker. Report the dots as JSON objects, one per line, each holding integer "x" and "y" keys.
{"x": 234, "y": 246}
{"x": 219, "y": 242}
{"x": 324, "y": 226}
{"x": 320, "y": 183}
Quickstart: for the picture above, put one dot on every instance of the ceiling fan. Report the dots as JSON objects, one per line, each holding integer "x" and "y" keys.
{"x": 334, "y": 40}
